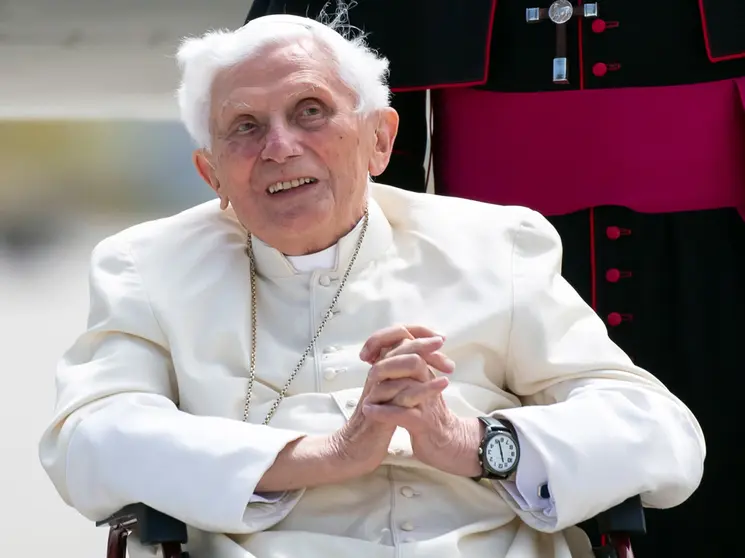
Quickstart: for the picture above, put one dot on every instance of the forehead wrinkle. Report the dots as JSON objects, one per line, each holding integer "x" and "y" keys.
{"x": 308, "y": 75}
{"x": 303, "y": 89}
{"x": 236, "y": 106}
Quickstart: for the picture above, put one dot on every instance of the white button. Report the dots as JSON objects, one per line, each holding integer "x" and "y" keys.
{"x": 407, "y": 492}
{"x": 325, "y": 280}
{"x": 351, "y": 403}
{"x": 329, "y": 374}
{"x": 332, "y": 349}
{"x": 407, "y": 526}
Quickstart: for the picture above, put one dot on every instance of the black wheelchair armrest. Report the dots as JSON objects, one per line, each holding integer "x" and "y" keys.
{"x": 152, "y": 527}
{"x": 626, "y": 517}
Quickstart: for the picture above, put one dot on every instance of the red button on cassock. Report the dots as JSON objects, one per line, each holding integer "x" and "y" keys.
{"x": 612, "y": 275}
{"x": 598, "y": 26}
{"x": 599, "y": 69}
{"x": 614, "y": 319}
{"x": 614, "y": 233}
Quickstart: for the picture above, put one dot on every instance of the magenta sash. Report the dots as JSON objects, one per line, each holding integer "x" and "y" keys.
{"x": 652, "y": 149}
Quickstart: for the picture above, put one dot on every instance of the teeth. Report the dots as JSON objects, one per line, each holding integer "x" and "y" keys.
{"x": 290, "y": 184}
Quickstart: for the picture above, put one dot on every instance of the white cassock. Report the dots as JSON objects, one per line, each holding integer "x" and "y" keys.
{"x": 151, "y": 396}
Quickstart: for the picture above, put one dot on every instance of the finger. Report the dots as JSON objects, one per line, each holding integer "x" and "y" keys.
{"x": 391, "y": 336}
{"x": 383, "y": 392}
{"x": 440, "y": 362}
{"x": 427, "y": 348}
{"x": 384, "y": 339}
{"x": 418, "y": 346}
{"x": 411, "y": 419}
{"x": 410, "y": 366}
{"x": 406, "y": 392}
{"x": 421, "y": 331}
{"x": 421, "y": 395}
{"x": 436, "y": 360}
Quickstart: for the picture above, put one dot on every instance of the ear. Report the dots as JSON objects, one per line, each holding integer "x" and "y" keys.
{"x": 385, "y": 135}
{"x": 205, "y": 168}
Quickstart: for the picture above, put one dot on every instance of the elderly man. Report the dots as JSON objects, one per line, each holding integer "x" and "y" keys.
{"x": 243, "y": 369}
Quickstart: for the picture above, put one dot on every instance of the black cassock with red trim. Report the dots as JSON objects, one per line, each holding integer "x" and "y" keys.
{"x": 623, "y": 121}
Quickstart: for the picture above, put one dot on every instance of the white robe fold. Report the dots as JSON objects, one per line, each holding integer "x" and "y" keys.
{"x": 150, "y": 397}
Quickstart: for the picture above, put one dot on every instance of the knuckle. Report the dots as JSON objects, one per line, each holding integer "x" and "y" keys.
{"x": 412, "y": 345}
{"x": 375, "y": 373}
{"x": 398, "y": 333}
{"x": 398, "y": 384}
{"x": 388, "y": 335}
{"x": 403, "y": 399}
{"x": 394, "y": 350}
{"x": 377, "y": 393}
{"x": 412, "y": 361}
{"x": 389, "y": 389}
{"x": 377, "y": 338}
{"x": 420, "y": 331}
{"x": 401, "y": 329}
{"x": 385, "y": 353}
{"x": 378, "y": 388}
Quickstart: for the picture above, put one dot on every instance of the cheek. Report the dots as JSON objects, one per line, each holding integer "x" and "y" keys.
{"x": 343, "y": 150}
{"x": 236, "y": 159}
{"x": 241, "y": 148}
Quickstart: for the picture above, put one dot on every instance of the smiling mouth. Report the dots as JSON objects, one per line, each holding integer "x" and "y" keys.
{"x": 290, "y": 184}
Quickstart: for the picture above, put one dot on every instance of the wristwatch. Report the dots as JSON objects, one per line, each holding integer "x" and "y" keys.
{"x": 499, "y": 452}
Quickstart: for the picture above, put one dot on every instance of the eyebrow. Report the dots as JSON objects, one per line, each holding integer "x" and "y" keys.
{"x": 322, "y": 92}
{"x": 234, "y": 106}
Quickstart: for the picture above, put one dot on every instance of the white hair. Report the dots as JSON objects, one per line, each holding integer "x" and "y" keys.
{"x": 200, "y": 60}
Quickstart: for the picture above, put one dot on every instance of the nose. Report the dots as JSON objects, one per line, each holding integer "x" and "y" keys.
{"x": 280, "y": 144}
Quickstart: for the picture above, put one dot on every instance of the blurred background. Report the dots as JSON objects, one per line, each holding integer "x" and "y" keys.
{"x": 89, "y": 144}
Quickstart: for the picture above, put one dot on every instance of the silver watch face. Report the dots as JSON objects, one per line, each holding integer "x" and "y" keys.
{"x": 501, "y": 453}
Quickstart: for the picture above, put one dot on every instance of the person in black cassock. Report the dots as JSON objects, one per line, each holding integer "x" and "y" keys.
{"x": 624, "y": 123}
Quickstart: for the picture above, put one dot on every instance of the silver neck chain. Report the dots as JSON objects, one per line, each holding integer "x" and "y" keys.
{"x": 311, "y": 345}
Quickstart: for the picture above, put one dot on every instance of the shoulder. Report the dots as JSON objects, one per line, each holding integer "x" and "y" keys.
{"x": 191, "y": 235}
{"x": 451, "y": 220}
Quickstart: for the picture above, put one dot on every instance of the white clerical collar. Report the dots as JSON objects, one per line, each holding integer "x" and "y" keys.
{"x": 325, "y": 259}
{"x": 271, "y": 263}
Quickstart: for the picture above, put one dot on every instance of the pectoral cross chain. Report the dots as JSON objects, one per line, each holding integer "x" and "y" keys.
{"x": 561, "y": 12}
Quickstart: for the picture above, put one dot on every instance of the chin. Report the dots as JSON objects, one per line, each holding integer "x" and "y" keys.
{"x": 306, "y": 224}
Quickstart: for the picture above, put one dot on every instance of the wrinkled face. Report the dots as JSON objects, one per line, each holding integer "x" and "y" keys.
{"x": 288, "y": 151}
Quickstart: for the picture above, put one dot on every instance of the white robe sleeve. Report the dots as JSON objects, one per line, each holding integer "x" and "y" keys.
{"x": 531, "y": 476}
{"x": 604, "y": 428}
{"x": 118, "y": 437}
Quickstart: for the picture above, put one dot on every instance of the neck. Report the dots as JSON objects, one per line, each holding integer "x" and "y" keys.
{"x": 370, "y": 239}
{"x": 307, "y": 246}
{"x": 313, "y": 248}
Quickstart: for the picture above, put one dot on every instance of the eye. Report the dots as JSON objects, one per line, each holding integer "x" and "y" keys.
{"x": 311, "y": 112}
{"x": 245, "y": 127}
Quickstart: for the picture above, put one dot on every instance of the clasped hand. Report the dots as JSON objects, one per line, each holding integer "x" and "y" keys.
{"x": 402, "y": 391}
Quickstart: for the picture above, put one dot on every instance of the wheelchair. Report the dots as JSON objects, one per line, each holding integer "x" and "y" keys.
{"x": 154, "y": 528}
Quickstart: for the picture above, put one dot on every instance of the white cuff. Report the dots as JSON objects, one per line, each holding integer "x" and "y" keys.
{"x": 531, "y": 476}
{"x": 260, "y": 516}
{"x": 266, "y": 497}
